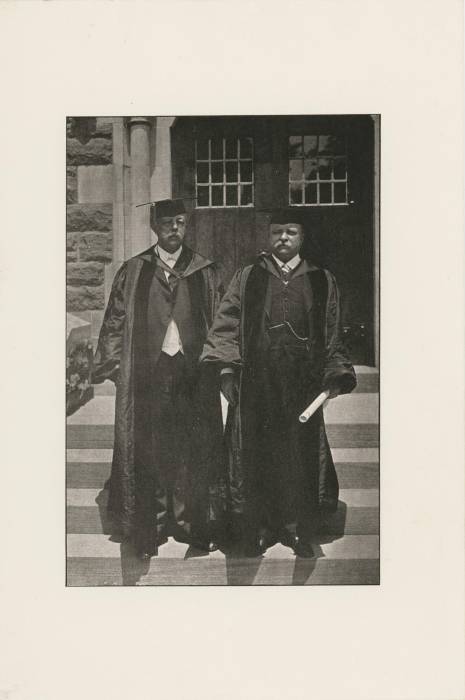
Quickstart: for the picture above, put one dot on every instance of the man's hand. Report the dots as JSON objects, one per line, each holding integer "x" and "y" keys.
{"x": 333, "y": 393}
{"x": 229, "y": 388}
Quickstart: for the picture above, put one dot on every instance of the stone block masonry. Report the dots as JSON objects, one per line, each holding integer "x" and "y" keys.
{"x": 71, "y": 184}
{"x": 89, "y": 141}
{"x": 89, "y": 214}
{"x": 94, "y": 152}
{"x": 89, "y": 217}
{"x": 85, "y": 298}
{"x": 88, "y": 246}
{"x": 86, "y": 273}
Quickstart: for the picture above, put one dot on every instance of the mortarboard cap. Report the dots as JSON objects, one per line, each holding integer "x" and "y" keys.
{"x": 165, "y": 207}
{"x": 311, "y": 248}
{"x": 287, "y": 215}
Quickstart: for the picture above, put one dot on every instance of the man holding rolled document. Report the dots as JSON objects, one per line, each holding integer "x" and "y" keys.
{"x": 277, "y": 341}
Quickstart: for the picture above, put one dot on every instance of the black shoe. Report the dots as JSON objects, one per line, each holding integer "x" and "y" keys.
{"x": 204, "y": 545}
{"x": 288, "y": 539}
{"x": 147, "y": 548}
{"x": 303, "y": 549}
{"x": 266, "y": 540}
{"x": 251, "y": 550}
{"x": 144, "y": 555}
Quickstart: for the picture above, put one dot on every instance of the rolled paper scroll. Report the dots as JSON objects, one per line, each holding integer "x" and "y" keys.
{"x": 314, "y": 406}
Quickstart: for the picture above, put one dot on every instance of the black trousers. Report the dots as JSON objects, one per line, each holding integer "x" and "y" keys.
{"x": 162, "y": 480}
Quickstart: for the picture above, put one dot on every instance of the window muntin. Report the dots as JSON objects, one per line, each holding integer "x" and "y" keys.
{"x": 224, "y": 174}
{"x": 317, "y": 170}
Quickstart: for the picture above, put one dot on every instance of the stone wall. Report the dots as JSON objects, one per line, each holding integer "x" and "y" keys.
{"x": 89, "y": 197}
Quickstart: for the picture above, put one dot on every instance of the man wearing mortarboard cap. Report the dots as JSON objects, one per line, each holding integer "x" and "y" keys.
{"x": 277, "y": 341}
{"x": 167, "y": 418}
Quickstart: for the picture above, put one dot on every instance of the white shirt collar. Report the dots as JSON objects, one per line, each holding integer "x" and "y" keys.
{"x": 168, "y": 257}
{"x": 292, "y": 263}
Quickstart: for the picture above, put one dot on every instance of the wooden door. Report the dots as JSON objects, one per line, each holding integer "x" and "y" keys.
{"x": 343, "y": 231}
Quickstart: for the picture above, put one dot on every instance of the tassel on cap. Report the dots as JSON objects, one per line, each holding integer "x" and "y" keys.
{"x": 166, "y": 207}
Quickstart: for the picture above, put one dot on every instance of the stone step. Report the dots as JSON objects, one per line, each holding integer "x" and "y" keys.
{"x": 87, "y": 474}
{"x": 106, "y": 388}
{"x": 351, "y": 475}
{"x": 340, "y": 435}
{"x": 354, "y": 454}
{"x": 99, "y": 546}
{"x": 93, "y": 475}
{"x": 356, "y": 468}
{"x": 346, "y": 409}
{"x": 358, "y": 512}
{"x": 89, "y": 455}
{"x": 88, "y": 497}
{"x": 366, "y": 384}
{"x": 347, "y": 520}
{"x": 203, "y": 571}
{"x": 349, "y": 547}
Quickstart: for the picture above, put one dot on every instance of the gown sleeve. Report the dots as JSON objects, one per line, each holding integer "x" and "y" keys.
{"x": 215, "y": 291}
{"x": 222, "y": 346}
{"x": 107, "y": 356}
{"x": 339, "y": 374}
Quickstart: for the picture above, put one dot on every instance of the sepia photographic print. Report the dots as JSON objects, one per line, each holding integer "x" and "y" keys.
{"x": 222, "y": 369}
{"x": 232, "y": 267}
{"x": 233, "y": 350}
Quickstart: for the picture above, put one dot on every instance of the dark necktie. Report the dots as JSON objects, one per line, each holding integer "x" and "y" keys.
{"x": 286, "y": 273}
{"x": 171, "y": 278}
{"x": 172, "y": 281}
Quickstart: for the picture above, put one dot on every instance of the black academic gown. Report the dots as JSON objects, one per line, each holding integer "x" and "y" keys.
{"x": 269, "y": 450}
{"x": 128, "y": 350}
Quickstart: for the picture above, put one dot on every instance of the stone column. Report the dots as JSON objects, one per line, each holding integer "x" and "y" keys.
{"x": 161, "y": 150}
{"x": 119, "y": 163}
{"x": 140, "y": 129}
{"x": 376, "y": 246}
{"x": 121, "y": 203}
